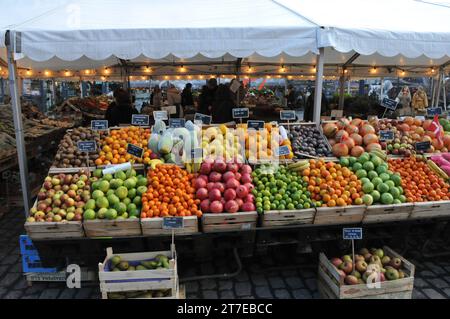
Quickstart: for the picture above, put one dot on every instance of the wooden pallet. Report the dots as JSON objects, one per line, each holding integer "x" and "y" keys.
{"x": 339, "y": 215}
{"x": 53, "y": 230}
{"x": 229, "y": 222}
{"x": 288, "y": 217}
{"x": 154, "y": 226}
{"x": 331, "y": 286}
{"x": 387, "y": 213}
{"x": 112, "y": 228}
{"x": 431, "y": 210}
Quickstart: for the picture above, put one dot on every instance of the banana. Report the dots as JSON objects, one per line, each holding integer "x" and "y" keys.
{"x": 437, "y": 169}
{"x": 380, "y": 154}
{"x": 299, "y": 169}
{"x": 298, "y": 164}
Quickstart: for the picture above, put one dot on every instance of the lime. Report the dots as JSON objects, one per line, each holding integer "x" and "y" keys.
{"x": 387, "y": 199}
{"x": 368, "y": 166}
{"x": 361, "y": 173}
{"x": 376, "y": 181}
{"x": 376, "y": 196}
{"x": 390, "y": 183}
{"x": 383, "y": 188}
{"x": 357, "y": 166}
{"x": 372, "y": 174}
{"x": 368, "y": 187}
{"x": 395, "y": 192}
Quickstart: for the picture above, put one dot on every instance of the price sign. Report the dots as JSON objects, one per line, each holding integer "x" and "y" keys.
{"x": 423, "y": 146}
{"x": 173, "y": 222}
{"x": 288, "y": 115}
{"x": 175, "y": 122}
{"x": 257, "y": 125}
{"x": 241, "y": 113}
{"x": 160, "y": 116}
{"x": 389, "y": 103}
{"x": 135, "y": 150}
{"x": 205, "y": 119}
{"x": 99, "y": 125}
{"x": 140, "y": 120}
{"x": 197, "y": 153}
{"x": 386, "y": 136}
{"x": 87, "y": 146}
{"x": 337, "y": 114}
{"x": 352, "y": 233}
{"x": 283, "y": 151}
{"x": 432, "y": 111}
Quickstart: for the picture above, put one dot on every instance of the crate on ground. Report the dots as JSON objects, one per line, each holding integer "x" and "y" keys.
{"x": 139, "y": 280}
{"x": 229, "y": 222}
{"x": 276, "y": 218}
{"x": 154, "y": 226}
{"x": 112, "y": 228}
{"x": 339, "y": 215}
{"x": 387, "y": 213}
{"x": 331, "y": 285}
{"x": 431, "y": 209}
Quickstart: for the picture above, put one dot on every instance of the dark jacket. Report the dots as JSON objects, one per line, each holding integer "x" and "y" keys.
{"x": 186, "y": 98}
{"x": 206, "y": 100}
{"x": 222, "y": 108}
{"x": 119, "y": 114}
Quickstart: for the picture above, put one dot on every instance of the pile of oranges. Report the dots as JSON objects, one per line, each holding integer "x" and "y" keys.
{"x": 332, "y": 185}
{"x": 114, "y": 147}
{"x": 419, "y": 182}
{"x": 170, "y": 193}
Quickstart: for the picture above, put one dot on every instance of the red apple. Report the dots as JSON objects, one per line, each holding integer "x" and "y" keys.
{"x": 215, "y": 177}
{"x": 200, "y": 183}
{"x": 232, "y": 183}
{"x": 204, "y": 205}
{"x": 215, "y": 195}
{"x": 219, "y": 186}
{"x": 202, "y": 193}
{"x": 229, "y": 194}
{"x": 231, "y": 206}
{"x": 242, "y": 191}
{"x": 227, "y": 176}
{"x": 232, "y": 167}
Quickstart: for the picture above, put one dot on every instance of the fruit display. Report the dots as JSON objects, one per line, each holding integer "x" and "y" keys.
{"x": 68, "y": 154}
{"x": 92, "y": 104}
{"x": 351, "y": 137}
{"x": 114, "y": 147}
{"x": 166, "y": 144}
{"x": 419, "y": 182}
{"x": 221, "y": 142}
{"x": 280, "y": 188}
{"x": 445, "y": 124}
{"x": 224, "y": 187}
{"x": 116, "y": 263}
{"x": 62, "y": 198}
{"x": 170, "y": 193}
{"x": 379, "y": 184}
{"x": 332, "y": 184}
{"x": 308, "y": 140}
{"x": 442, "y": 165}
{"x": 116, "y": 197}
{"x": 369, "y": 266}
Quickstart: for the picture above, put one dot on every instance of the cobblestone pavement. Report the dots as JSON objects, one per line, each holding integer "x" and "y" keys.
{"x": 261, "y": 277}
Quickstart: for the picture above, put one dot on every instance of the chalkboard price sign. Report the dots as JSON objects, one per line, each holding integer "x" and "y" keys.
{"x": 288, "y": 115}
{"x": 140, "y": 120}
{"x": 386, "y": 136}
{"x": 99, "y": 125}
{"x": 135, "y": 150}
{"x": 423, "y": 146}
{"x": 389, "y": 103}
{"x": 352, "y": 233}
{"x": 432, "y": 111}
{"x": 87, "y": 146}
{"x": 241, "y": 113}
{"x": 205, "y": 119}
{"x": 283, "y": 151}
{"x": 173, "y": 222}
{"x": 160, "y": 116}
{"x": 176, "y": 123}
{"x": 256, "y": 125}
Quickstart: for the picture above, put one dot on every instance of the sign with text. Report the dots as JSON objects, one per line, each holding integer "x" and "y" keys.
{"x": 336, "y": 114}
{"x": 235, "y": 86}
{"x": 389, "y": 103}
{"x": 176, "y": 122}
{"x": 283, "y": 151}
{"x": 87, "y": 146}
{"x": 352, "y": 233}
{"x": 197, "y": 153}
{"x": 135, "y": 150}
{"x": 386, "y": 136}
{"x": 257, "y": 125}
{"x": 99, "y": 125}
{"x": 173, "y": 222}
{"x": 423, "y": 146}
{"x": 160, "y": 116}
{"x": 205, "y": 119}
{"x": 241, "y": 113}
{"x": 432, "y": 111}
{"x": 140, "y": 120}
{"x": 288, "y": 115}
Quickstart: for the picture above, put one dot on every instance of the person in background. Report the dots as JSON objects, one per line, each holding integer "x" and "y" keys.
{"x": 420, "y": 100}
{"x": 156, "y": 97}
{"x": 208, "y": 97}
{"x": 404, "y": 99}
{"x": 309, "y": 108}
{"x": 112, "y": 104}
{"x": 223, "y": 105}
{"x": 291, "y": 97}
{"x": 202, "y": 101}
{"x": 186, "y": 96}
{"x": 174, "y": 98}
{"x": 122, "y": 111}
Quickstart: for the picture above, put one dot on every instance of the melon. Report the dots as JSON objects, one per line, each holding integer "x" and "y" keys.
{"x": 426, "y": 124}
{"x": 330, "y": 129}
{"x": 343, "y": 123}
{"x": 340, "y": 149}
{"x": 446, "y": 140}
{"x": 357, "y": 138}
{"x": 367, "y": 129}
{"x": 349, "y": 142}
{"x": 357, "y": 151}
{"x": 341, "y": 134}
{"x": 373, "y": 146}
{"x": 352, "y": 129}
{"x": 370, "y": 138}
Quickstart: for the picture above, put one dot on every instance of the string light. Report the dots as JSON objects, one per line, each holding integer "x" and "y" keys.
{"x": 182, "y": 68}
{"x": 200, "y": 77}
{"x": 268, "y": 76}
{"x": 189, "y": 77}
{"x": 432, "y": 70}
{"x": 403, "y": 72}
{"x": 166, "y": 77}
{"x": 87, "y": 71}
{"x": 103, "y": 78}
{"x": 148, "y": 69}
{"x": 374, "y": 69}
{"x": 249, "y": 68}
{"x": 345, "y": 70}
{"x": 106, "y": 71}
{"x": 131, "y": 77}
{"x": 67, "y": 73}
{"x": 28, "y": 72}
{"x": 47, "y": 73}
{"x": 283, "y": 69}
{"x": 290, "y": 77}
{"x": 314, "y": 69}
{"x": 178, "y": 77}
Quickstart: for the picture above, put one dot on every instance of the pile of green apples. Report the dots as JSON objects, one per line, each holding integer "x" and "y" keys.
{"x": 159, "y": 262}
{"x": 115, "y": 197}
{"x": 367, "y": 262}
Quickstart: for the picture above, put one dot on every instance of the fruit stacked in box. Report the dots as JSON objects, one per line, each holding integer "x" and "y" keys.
{"x": 369, "y": 266}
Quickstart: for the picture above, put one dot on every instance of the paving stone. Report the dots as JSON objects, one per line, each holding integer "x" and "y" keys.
{"x": 317, "y": 295}
{"x": 259, "y": 280}
{"x": 243, "y": 276}
{"x": 83, "y": 293}
{"x": 311, "y": 283}
{"x": 210, "y": 294}
{"x": 35, "y": 296}
{"x": 447, "y": 278}
{"x": 289, "y": 273}
{"x": 2, "y": 292}
{"x": 282, "y": 294}
{"x": 207, "y": 268}
{"x": 247, "y": 297}
{"x": 294, "y": 282}
{"x": 16, "y": 268}
{"x": 50, "y": 293}
{"x": 433, "y": 294}
{"x": 263, "y": 292}
{"x": 301, "y": 294}
{"x": 277, "y": 282}
{"x": 225, "y": 284}
{"x": 227, "y": 294}
{"x": 13, "y": 294}
{"x": 438, "y": 283}
{"x": 418, "y": 295}
{"x": 434, "y": 268}
{"x": 9, "y": 279}
{"x": 307, "y": 273}
{"x": 447, "y": 268}
{"x": 192, "y": 296}
{"x": 243, "y": 289}
{"x": 191, "y": 286}
{"x": 208, "y": 284}
{"x": 21, "y": 284}
{"x": 67, "y": 293}
{"x": 420, "y": 283}
{"x": 35, "y": 288}
{"x": 3, "y": 270}
{"x": 10, "y": 260}
{"x": 427, "y": 274}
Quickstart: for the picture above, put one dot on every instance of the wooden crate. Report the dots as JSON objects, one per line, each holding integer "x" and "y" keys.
{"x": 141, "y": 280}
{"x": 53, "y": 230}
{"x": 153, "y": 226}
{"x": 288, "y": 217}
{"x": 331, "y": 285}
{"x": 339, "y": 215}
{"x": 112, "y": 228}
{"x": 229, "y": 222}
{"x": 387, "y": 213}
{"x": 431, "y": 209}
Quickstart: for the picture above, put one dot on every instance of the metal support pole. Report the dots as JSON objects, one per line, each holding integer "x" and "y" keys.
{"x": 341, "y": 92}
{"x": 18, "y": 125}
{"x": 318, "y": 90}
{"x": 381, "y": 89}
{"x": 438, "y": 91}
{"x": 2, "y": 91}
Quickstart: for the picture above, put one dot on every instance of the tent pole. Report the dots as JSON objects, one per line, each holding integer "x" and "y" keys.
{"x": 438, "y": 91}
{"x": 318, "y": 90}
{"x": 18, "y": 125}
{"x": 2, "y": 92}
{"x": 381, "y": 89}
{"x": 341, "y": 92}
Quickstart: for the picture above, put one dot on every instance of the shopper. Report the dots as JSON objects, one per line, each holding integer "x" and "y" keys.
{"x": 223, "y": 105}
{"x": 291, "y": 97}
{"x": 174, "y": 98}
{"x": 112, "y": 104}
{"x": 309, "y": 108}
{"x": 207, "y": 97}
{"x": 404, "y": 101}
{"x": 156, "y": 97}
{"x": 122, "y": 111}
{"x": 186, "y": 96}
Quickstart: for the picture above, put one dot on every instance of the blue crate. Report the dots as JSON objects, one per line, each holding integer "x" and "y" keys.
{"x": 31, "y": 262}
{"x": 26, "y": 246}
